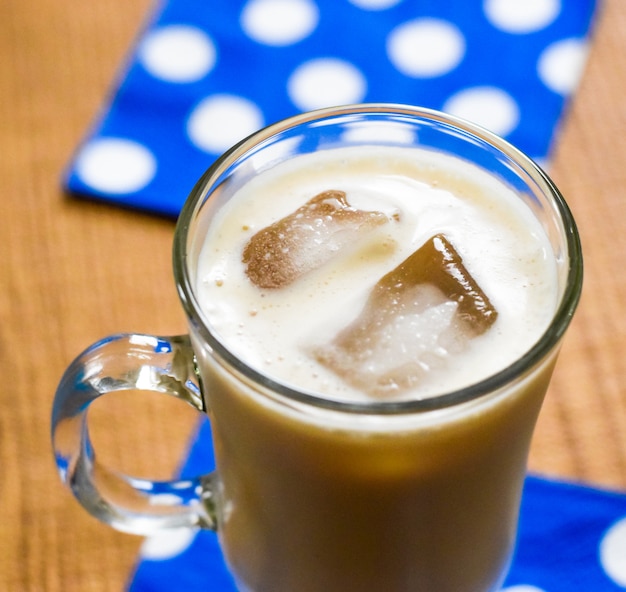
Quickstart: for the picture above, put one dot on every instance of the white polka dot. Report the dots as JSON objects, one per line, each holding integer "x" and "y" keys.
{"x": 115, "y": 165}
{"x": 326, "y": 82}
{"x": 220, "y": 121}
{"x": 613, "y": 552}
{"x": 487, "y": 106}
{"x": 425, "y": 47}
{"x": 375, "y": 4}
{"x": 178, "y": 53}
{"x": 167, "y": 544}
{"x": 543, "y": 162}
{"x": 279, "y": 22}
{"x": 561, "y": 65}
{"x": 522, "y": 16}
{"x": 379, "y": 133}
{"x": 522, "y": 588}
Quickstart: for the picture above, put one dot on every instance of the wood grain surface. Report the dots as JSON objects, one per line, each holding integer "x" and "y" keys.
{"x": 74, "y": 271}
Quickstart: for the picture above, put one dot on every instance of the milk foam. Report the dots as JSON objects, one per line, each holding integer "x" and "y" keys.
{"x": 502, "y": 245}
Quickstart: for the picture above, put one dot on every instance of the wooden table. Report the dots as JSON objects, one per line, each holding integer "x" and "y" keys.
{"x": 73, "y": 271}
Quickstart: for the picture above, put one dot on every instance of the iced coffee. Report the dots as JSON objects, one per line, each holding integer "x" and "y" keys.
{"x": 373, "y": 274}
{"x": 376, "y": 296}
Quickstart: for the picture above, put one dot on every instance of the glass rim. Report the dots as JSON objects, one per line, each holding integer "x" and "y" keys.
{"x": 539, "y": 351}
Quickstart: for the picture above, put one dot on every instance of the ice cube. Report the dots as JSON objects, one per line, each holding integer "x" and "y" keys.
{"x": 306, "y": 239}
{"x": 416, "y": 317}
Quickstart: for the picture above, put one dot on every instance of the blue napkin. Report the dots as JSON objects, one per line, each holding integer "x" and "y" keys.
{"x": 572, "y": 538}
{"x": 203, "y": 75}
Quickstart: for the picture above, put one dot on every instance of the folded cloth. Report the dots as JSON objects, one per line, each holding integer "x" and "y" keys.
{"x": 204, "y": 75}
{"x": 571, "y": 538}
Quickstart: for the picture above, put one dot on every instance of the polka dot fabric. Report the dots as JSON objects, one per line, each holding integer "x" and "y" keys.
{"x": 205, "y": 75}
{"x": 571, "y": 538}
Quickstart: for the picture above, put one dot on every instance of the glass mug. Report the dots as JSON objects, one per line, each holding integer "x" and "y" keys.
{"x": 316, "y": 495}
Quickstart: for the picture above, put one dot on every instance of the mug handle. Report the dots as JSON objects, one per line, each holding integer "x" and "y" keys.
{"x": 124, "y": 362}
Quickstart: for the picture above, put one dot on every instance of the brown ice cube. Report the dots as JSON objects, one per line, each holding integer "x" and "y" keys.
{"x": 416, "y": 316}
{"x": 438, "y": 263}
{"x": 306, "y": 239}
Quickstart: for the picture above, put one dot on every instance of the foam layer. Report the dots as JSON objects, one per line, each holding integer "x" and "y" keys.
{"x": 423, "y": 194}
